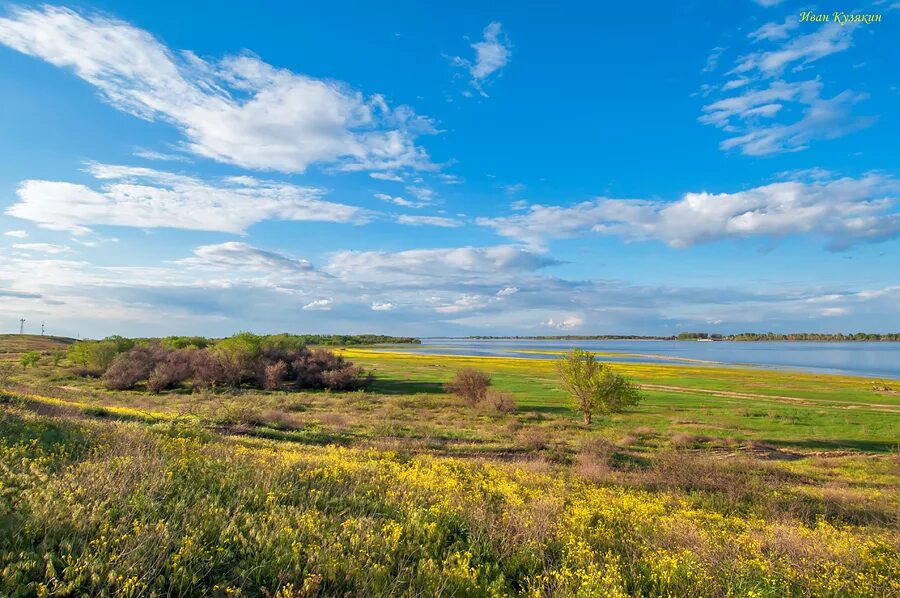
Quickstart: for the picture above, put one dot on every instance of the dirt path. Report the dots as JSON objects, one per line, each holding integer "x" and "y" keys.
{"x": 800, "y": 400}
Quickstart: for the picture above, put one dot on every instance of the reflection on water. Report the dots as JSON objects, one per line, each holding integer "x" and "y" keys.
{"x": 875, "y": 359}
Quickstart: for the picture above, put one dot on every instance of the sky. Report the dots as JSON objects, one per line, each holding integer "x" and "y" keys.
{"x": 449, "y": 169}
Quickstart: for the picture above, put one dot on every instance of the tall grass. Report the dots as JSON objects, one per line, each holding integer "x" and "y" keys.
{"x": 132, "y": 509}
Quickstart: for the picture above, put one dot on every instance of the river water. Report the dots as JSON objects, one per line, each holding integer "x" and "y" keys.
{"x": 871, "y": 359}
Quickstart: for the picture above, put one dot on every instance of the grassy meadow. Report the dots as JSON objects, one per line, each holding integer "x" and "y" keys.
{"x": 721, "y": 482}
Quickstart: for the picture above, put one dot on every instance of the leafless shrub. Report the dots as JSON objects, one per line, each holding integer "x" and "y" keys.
{"x": 273, "y": 375}
{"x": 333, "y": 420}
{"x": 469, "y": 384}
{"x": 533, "y": 438}
{"x": 133, "y": 366}
{"x": 172, "y": 371}
{"x": 345, "y": 378}
{"x": 501, "y": 402}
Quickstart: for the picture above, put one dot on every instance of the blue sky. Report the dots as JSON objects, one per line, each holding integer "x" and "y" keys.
{"x": 457, "y": 169}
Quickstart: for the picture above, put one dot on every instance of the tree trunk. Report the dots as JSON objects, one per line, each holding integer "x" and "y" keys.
{"x": 587, "y": 419}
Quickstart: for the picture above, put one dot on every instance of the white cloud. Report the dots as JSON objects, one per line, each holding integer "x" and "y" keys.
{"x": 774, "y": 31}
{"x": 768, "y": 3}
{"x": 318, "y": 305}
{"x": 148, "y": 154}
{"x": 712, "y": 60}
{"x": 564, "y": 323}
{"x": 507, "y": 291}
{"x": 18, "y": 234}
{"x": 386, "y": 176}
{"x": 397, "y": 200}
{"x": 235, "y": 255}
{"x": 764, "y": 121}
{"x": 147, "y": 198}
{"x": 845, "y": 211}
{"x": 723, "y": 113}
{"x": 824, "y": 41}
{"x": 429, "y": 221}
{"x": 386, "y": 306}
{"x": 822, "y": 119}
{"x": 238, "y": 110}
{"x": 43, "y": 247}
{"x": 447, "y": 265}
{"x": 491, "y": 54}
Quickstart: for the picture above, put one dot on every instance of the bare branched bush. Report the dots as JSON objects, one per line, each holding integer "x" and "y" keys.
{"x": 501, "y": 402}
{"x": 469, "y": 384}
{"x": 274, "y": 374}
{"x": 172, "y": 371}
{"x": 346, "y": 378}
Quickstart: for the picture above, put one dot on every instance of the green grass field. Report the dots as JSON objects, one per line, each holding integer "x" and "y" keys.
{"x": 722, "y": 482}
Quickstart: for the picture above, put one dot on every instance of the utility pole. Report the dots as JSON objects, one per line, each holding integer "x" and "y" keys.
{"x": 42, "y": 328}
{"x": 22, "y": 326}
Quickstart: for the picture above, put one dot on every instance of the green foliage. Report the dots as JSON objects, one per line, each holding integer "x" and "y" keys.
{"x": 30, "y": 359}
{"x": 98, "y": 354}
{"x": 594, "y": 387}
{"x": 185, "y": 342}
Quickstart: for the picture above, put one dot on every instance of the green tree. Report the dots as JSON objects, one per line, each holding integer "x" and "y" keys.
{"x": 594, "y": 387}
{"x": 30, "y": 359}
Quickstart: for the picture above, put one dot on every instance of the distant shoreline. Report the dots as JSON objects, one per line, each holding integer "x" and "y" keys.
{"x": 744, "y": 337}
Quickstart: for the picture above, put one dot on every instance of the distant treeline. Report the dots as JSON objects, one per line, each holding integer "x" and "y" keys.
{"x": 793, "y": 336}
{"x": 331, "y": 340}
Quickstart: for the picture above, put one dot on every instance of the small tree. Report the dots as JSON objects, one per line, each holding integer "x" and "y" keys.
{"x": 470, "y": 384}
{"x": 595, "y": 388}
{"x": 30, "y": 359}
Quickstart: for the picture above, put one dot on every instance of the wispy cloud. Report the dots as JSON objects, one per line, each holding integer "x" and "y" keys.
{"x": 492, "y": 53}
{"x": 762, "y": 116}
{"x": 43, "y": 248}
{"x": 238, "y": 110}
{"x": 429, "y": 221}
{"x": 148, "y": 198}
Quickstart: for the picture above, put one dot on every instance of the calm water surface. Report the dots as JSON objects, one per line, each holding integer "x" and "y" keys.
{"x": 874, "y": 359}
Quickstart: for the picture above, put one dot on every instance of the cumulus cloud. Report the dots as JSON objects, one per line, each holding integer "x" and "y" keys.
{"x": 238, "y": 110}
{"x": 844, "y": 211}
{"x": 492, "y": 53}
{"x": 318, "y": 305}
{"x": 564, "y": 322}
{"x": 147, "y": 198}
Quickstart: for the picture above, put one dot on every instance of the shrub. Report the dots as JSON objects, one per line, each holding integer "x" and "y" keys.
{"x": 172, "y": 371}
{"x": 469, "y": 384}
{"x": 273, "y": 375}
{"x": 501, "y": 402}
{"x": 347, "y": 377}
{"x": 594, "y": 387}
{"x": 206, "y": 369}
{"x": 134, "y": 366}
{"x": 6, "y": 372}
{"x": 30, "y": 359}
